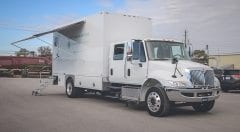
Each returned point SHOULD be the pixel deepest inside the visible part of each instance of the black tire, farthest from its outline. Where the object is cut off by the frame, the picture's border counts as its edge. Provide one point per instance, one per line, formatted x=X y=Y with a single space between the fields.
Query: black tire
x=157 y=102
x=204 y=106
x=225 y=90
x=71 y=91
x=103 y=93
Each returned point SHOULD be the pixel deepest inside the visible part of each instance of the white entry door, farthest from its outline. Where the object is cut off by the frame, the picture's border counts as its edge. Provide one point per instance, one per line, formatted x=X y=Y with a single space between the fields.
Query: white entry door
x=117 y=63
x=136 y=65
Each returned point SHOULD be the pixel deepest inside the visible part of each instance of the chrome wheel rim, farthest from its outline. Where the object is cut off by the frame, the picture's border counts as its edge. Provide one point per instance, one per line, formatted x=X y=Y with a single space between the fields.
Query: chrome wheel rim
x=154 y=101
x=69 y=88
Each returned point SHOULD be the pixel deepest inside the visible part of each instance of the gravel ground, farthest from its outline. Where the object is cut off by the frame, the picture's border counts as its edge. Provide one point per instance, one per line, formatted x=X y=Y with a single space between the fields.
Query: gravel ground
x=22 y=112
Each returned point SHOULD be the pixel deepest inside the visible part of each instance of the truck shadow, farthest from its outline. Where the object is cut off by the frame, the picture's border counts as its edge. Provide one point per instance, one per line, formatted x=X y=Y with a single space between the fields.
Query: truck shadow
x=174 y=111
x=115 y=102
x=186 y=111
x=234 y=91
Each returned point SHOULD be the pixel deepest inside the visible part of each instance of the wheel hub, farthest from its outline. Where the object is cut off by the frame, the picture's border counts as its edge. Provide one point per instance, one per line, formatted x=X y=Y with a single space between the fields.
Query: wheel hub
x=69 y=88
x=154 y=101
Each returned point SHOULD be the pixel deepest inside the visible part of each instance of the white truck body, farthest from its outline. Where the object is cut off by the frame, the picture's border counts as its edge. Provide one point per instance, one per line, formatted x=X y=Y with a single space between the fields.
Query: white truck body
x=86 y=57
x=112 y=53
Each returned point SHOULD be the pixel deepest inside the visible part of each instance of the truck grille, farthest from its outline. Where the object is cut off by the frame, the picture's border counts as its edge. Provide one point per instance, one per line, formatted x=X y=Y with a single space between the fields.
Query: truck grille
x=201 y=77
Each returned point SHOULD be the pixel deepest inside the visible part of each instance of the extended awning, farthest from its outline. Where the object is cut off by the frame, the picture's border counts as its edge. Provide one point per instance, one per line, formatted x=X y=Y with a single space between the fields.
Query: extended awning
x=63 y=29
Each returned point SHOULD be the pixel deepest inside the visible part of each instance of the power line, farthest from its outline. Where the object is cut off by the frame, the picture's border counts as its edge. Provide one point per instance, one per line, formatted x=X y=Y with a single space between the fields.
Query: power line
x=18 y=28
x=46 y=42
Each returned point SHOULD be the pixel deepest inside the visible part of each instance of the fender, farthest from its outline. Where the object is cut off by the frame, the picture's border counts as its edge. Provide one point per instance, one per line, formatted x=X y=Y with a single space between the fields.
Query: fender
x=150 y=82
x=68 y=76
x=157 y=79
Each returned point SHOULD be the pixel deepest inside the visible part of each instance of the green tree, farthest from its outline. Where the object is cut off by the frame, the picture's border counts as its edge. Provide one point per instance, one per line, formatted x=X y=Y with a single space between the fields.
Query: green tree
x=22 y=52
x=200 y=56
x=32 y=53
x=44 y=51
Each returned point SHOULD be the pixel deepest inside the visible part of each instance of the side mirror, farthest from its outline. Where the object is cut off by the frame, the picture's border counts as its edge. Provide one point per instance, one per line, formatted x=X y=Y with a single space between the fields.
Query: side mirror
x=190 y=52
x=129 y=57
x=129 y=51
x=174 y=60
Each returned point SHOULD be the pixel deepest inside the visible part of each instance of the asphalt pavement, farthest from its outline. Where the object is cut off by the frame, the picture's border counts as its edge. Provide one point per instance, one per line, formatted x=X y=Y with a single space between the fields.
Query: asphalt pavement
x=54 y=112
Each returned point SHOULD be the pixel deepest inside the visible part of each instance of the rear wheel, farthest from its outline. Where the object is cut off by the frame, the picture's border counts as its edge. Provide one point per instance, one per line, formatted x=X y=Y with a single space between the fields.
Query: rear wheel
x=204 y=106
x=71 y=91
x=157 y=102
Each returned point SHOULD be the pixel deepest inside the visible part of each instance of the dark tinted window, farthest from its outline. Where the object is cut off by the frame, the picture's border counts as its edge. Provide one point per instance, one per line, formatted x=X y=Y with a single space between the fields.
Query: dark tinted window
x=231 y=72
x=135 y=53
x=142 y=53
x=118 y=52
x=218 y=71
x=138 y=51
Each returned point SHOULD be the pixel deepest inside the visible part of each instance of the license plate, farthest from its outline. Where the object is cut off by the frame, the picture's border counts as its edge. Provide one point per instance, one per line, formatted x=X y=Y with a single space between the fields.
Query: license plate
x=227 y=78
x=204 y=99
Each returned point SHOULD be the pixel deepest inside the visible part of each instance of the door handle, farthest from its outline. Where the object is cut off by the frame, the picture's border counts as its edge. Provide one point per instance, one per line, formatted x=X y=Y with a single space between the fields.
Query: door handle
x=128 y=72
x=111 y=71
x=140 y=64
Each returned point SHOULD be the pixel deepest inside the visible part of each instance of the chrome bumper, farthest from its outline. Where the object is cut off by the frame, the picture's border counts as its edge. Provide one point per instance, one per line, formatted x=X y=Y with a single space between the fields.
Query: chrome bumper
x=192 y=95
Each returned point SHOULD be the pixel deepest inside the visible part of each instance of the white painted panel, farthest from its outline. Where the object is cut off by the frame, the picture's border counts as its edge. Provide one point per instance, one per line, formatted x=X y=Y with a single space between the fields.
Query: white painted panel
x=86 y=53
x=88 y=82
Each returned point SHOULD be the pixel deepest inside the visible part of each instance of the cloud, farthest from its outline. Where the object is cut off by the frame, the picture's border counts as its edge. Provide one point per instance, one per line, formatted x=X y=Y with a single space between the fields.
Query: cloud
x=106 y=3
x=214 y=23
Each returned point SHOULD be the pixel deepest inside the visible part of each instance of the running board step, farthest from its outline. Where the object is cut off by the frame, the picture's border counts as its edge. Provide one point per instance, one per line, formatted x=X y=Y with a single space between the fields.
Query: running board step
x=114 y=87
x=130 y=93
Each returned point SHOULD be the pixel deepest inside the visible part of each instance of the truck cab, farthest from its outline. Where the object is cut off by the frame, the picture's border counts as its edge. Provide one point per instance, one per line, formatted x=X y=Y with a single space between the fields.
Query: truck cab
x=160 y=73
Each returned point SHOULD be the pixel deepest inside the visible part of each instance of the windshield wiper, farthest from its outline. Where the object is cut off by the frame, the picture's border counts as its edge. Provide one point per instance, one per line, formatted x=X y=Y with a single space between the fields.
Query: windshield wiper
x=175 y=61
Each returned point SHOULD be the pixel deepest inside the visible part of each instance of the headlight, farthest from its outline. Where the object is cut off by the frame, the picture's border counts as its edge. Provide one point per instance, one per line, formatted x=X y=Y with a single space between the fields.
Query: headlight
x=177 y=84
x=217 y=83
x=187 y=74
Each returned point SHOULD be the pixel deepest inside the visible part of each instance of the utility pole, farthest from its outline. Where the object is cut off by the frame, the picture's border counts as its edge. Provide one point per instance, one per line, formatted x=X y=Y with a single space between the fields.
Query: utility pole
x=207 y=52
x=185 y=38
x=187 y=44
x=207 y=49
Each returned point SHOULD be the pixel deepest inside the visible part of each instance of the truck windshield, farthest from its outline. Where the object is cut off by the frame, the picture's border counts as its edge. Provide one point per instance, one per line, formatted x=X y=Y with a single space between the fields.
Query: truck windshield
x=165 y=50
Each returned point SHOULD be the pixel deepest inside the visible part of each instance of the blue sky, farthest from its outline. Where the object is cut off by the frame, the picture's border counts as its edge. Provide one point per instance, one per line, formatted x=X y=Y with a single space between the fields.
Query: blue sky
x=214 y=23
x=19 y=19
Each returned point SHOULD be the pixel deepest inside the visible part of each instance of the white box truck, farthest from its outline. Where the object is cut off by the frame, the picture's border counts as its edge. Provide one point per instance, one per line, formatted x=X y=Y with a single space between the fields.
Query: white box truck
x=112 y=54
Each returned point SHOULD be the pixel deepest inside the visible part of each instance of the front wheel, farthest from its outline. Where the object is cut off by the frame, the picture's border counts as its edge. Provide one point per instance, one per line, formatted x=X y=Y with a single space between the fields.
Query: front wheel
x=225 y=90
x=157 y=102
x=204 y=106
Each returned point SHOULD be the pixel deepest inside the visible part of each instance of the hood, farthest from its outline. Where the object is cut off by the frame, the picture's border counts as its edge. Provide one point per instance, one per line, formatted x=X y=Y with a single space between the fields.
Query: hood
x=165 y=68
x=182 y=65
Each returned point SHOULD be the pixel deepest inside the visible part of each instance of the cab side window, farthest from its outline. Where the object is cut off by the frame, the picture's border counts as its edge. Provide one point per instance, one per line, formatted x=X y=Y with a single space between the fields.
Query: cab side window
x=138 y=51
x=118 y=52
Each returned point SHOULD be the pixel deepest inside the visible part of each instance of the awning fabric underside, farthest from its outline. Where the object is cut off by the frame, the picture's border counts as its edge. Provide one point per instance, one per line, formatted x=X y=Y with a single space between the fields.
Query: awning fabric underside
x=68 y=30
